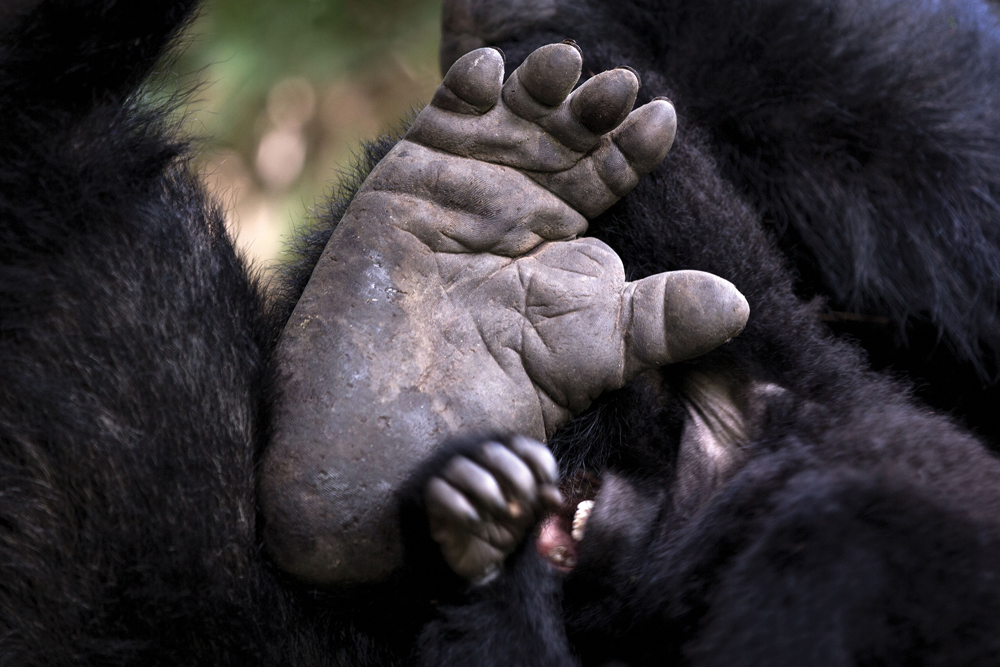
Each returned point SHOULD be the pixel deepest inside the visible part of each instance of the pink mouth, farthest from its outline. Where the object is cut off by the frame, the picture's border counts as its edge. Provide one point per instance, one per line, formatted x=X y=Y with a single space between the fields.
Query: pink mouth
x=555 y=541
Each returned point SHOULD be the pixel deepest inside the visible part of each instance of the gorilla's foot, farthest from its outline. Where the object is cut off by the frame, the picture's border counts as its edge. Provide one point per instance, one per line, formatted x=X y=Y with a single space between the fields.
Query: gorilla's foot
x=455 y=297
x=482 y=505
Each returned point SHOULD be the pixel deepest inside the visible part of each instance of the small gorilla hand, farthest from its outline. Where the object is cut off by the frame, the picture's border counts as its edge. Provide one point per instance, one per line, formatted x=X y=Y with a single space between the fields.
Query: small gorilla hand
x=455 y=297
x=481 y=506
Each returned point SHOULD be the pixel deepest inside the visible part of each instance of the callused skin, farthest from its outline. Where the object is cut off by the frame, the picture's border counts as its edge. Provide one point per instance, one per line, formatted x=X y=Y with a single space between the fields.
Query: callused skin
x=455 y=297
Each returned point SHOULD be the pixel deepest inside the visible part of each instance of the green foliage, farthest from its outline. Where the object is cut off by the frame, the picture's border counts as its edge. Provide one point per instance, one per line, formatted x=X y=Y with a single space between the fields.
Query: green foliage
x=362 y=63
x=245 y=46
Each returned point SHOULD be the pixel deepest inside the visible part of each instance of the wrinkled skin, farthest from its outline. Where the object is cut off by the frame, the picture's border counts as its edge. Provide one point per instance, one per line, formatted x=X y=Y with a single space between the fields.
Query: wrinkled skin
x=455 y=297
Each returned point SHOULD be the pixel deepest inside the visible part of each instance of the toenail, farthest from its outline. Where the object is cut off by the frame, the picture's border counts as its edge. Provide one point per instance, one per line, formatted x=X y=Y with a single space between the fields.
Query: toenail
x=572 y=42
x=637 y=77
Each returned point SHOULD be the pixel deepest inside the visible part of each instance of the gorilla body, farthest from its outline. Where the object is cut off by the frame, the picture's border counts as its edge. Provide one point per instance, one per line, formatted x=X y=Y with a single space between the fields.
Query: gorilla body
x=836 y=123
x=826 y=518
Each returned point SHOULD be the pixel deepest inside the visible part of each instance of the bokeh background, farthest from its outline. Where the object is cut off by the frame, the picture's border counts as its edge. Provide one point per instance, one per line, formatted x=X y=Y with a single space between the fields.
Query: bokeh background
x=286 y=92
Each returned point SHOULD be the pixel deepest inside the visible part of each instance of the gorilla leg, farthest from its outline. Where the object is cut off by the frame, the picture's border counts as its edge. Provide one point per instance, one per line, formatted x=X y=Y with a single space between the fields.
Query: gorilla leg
x=133 y=346
x=891 y=576
x=792 y=565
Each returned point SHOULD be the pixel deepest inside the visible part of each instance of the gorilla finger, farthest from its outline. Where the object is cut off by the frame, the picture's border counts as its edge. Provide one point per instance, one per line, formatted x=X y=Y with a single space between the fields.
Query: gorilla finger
x=446 y=502
x=677 y=316
x=512 y=473
x=551 y=497
x=479 y=562
x=647 y=135
x=603 y=102
x=472 y=85
x=543 y=80
x=538 y=457
x=498 y=535
x=477 y=483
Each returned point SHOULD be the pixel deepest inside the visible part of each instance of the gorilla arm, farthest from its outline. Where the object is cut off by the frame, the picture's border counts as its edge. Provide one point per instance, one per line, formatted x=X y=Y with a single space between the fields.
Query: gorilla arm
x=456 y=298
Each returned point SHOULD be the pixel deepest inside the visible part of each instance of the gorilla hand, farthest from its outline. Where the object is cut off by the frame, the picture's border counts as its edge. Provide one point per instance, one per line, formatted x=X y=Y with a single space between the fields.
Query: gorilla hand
x=454 y=297
x=482 y=503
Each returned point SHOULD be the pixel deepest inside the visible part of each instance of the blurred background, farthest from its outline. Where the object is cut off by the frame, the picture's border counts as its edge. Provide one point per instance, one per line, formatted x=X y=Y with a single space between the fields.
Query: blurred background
x=288 y=89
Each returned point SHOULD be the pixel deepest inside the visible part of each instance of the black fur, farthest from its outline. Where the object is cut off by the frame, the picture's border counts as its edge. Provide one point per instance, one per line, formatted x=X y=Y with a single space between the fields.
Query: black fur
x=830 y=157
x=865 y=136
x=134 y=387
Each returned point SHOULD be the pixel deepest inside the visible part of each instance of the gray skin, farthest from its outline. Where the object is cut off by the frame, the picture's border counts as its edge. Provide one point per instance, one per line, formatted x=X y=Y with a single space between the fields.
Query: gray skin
x=455 y=297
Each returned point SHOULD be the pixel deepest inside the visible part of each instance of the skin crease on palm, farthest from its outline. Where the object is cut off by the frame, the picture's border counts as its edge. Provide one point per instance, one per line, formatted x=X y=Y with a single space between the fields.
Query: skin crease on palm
x=456 y=297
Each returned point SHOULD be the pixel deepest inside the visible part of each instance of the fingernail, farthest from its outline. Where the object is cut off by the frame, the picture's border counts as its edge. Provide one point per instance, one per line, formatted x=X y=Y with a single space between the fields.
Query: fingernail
x=502 y=54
